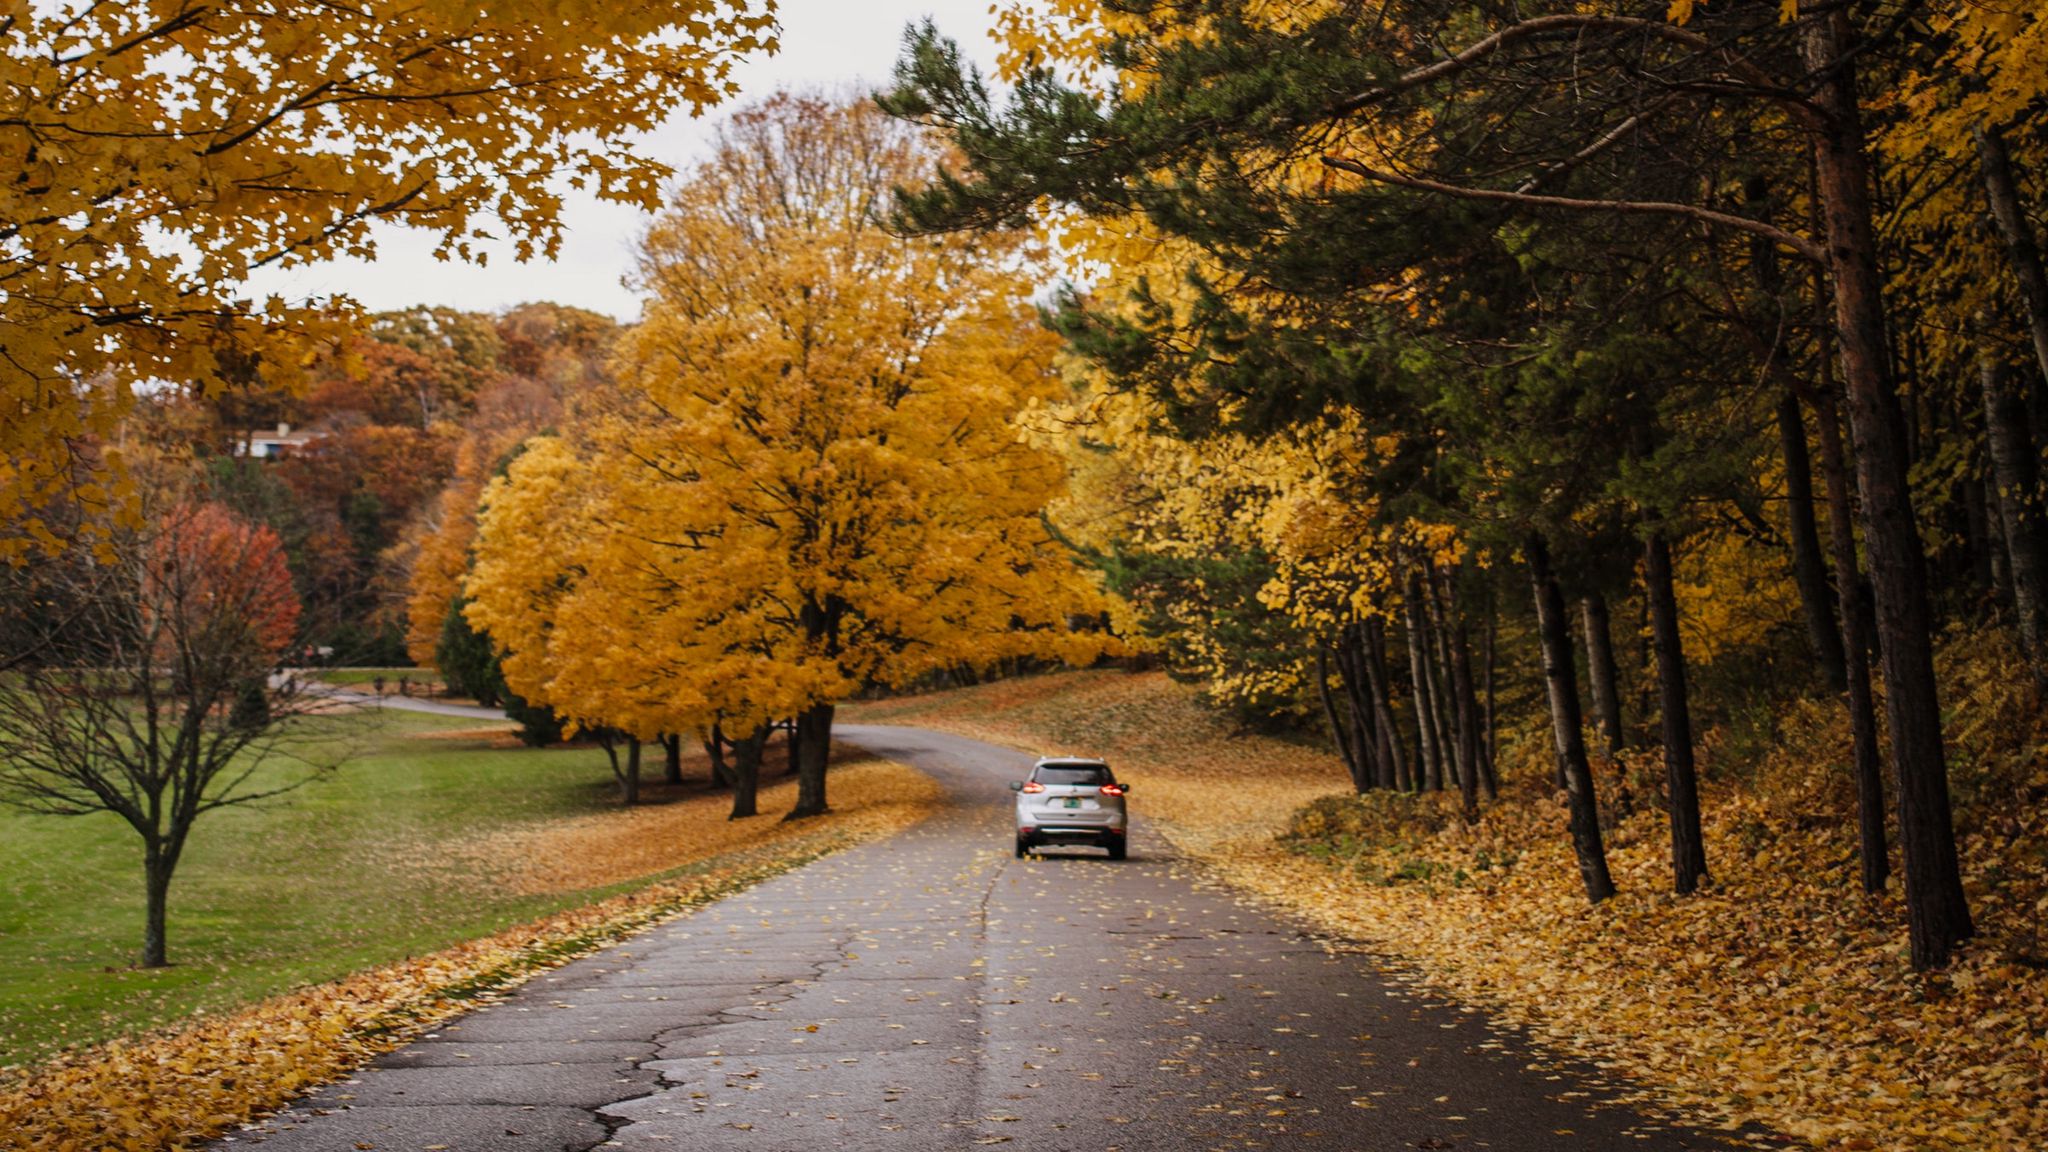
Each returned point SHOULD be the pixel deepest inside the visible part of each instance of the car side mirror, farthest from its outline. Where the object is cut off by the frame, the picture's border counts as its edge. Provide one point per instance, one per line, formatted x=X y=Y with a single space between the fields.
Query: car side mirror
x=1126 y=787
x=1016 y=785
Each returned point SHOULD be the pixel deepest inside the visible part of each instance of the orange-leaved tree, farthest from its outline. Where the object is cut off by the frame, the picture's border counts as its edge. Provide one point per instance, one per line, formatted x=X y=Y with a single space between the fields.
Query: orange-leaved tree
x=814 y=462
x=160 y=151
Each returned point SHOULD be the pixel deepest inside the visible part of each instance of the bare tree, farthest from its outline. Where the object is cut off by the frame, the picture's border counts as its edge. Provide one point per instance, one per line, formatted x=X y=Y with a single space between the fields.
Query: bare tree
x=144 y=681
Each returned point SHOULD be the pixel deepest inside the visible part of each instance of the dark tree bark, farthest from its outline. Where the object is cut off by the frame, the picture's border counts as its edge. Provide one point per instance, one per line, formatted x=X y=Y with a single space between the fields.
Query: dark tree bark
x=1561 y=680
x=631 y=782
x=1938 y=914
x=1809 y=568
x=1431 y=754
x=714 y=747
x=1600 y=672
x=1366 y=737
x=672 y=759
x=2020 y=248
x=159 y=862
x=1688 y=848
x=2015 y=473
x=1876 y=861
x=1492 y=747
x=1340 y=727
x=746 y=772
x=1450 y=702
x=795 y=747
x=1468 y=719
x=814 y=740
x=1395 y=765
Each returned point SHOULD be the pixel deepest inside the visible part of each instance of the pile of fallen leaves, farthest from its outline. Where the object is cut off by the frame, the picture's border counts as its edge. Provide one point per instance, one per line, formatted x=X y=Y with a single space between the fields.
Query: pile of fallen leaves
x=178 y=1087
x=1778 y=998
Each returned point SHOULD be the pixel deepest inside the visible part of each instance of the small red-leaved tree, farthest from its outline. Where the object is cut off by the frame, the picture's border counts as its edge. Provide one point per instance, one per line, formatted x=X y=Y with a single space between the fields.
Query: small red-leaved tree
x=145 y=682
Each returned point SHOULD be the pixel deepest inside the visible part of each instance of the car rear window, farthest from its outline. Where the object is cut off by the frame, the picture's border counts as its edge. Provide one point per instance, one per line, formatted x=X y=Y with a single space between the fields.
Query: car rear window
x=1072 y=774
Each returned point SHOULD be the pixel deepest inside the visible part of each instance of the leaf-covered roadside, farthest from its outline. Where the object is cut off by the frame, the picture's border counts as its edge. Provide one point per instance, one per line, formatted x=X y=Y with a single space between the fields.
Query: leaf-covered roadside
x=1770 y=999
x=176 y=1088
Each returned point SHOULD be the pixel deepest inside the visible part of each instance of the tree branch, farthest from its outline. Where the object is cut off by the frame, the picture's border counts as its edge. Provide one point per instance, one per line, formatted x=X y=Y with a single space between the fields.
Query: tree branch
x=1806 y=248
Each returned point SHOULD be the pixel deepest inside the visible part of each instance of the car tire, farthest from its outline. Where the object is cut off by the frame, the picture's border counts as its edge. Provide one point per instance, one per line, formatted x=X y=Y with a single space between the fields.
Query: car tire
x=1023 y=846
x=1117 y=849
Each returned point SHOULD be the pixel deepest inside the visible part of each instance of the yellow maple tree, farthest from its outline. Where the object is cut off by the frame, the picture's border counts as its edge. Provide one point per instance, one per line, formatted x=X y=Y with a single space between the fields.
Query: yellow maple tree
x=811 y=480
x=160 y=151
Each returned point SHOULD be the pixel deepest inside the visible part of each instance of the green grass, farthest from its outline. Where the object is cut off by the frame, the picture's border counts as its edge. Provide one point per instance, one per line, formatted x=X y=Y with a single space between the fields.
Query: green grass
x=332 y=878
x=348 y=677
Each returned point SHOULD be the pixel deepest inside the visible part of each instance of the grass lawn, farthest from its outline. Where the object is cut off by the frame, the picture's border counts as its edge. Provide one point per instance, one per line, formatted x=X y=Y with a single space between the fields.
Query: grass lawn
x=350 y=677
x=351 y=871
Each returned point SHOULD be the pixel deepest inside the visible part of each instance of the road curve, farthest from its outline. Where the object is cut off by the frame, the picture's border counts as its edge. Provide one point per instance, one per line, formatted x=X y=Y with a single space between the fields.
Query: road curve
x=931 y=992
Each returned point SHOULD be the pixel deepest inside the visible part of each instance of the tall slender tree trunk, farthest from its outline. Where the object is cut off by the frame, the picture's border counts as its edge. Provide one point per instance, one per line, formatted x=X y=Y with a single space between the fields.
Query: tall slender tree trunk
x=2016 y=475
x=814 y=738
x=1365 y=729
x=1562 y=683
x=1875 y=856
x=1600 y=672
x=1395 y=768
x=631 y=782
x=1340 y=728
x=2021 y=250
x=1468 y=720
x=1688 y=848
x=1938 y=914
x=1431 y=753
x=746 y=772
x=1809 y=568
x=672 y=759
x=1450 y=703
x=1492 y=746
x=795 y=747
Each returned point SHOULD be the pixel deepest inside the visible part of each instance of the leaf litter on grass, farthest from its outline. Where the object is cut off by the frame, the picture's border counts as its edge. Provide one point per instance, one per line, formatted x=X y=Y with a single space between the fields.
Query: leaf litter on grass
x=178 y=1087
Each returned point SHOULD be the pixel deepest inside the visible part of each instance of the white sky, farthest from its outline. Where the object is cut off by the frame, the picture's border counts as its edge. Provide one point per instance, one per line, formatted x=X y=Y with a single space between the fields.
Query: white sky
x=824 y=43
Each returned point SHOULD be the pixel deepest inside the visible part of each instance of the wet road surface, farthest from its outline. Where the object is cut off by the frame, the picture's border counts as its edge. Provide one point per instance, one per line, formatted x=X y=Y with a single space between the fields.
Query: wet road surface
x=931 y=992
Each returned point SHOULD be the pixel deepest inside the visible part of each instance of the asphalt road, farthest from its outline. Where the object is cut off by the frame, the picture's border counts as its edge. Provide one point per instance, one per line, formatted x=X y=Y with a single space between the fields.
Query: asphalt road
x=931 y=992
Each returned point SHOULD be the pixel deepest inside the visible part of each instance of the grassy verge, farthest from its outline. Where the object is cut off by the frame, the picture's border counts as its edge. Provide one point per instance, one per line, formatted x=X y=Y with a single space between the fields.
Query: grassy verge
x=1780 y=997
x=370 y=902
x=350 y=677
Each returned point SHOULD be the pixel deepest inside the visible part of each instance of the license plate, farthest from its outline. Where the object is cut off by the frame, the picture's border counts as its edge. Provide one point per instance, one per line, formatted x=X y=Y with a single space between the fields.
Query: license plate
x=1071 y=802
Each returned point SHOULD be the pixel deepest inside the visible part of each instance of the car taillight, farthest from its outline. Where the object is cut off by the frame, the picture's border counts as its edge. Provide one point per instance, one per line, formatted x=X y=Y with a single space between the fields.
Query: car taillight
x=1112 y=789
x=1032 y=786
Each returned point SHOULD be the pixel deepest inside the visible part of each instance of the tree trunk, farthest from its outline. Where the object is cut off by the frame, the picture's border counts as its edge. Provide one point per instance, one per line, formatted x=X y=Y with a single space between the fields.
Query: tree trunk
x=1339 y=727
x=1430 y=755
x=2020 y=249
x=1468 y=719
x=746 y=772
x=157 y=866
x=1809 y=568
x=1600 y=672
x=1876 y=860
x=814 y=747
x=1450 y=703
x=2015 y=473
x=672 y=759
x=1938 y=914
x=1492 y=747
x=1688 y=849
x=1562 y=682
x=1366 y=740
x=631 y=782
x=714 y=747
x=1394 y=765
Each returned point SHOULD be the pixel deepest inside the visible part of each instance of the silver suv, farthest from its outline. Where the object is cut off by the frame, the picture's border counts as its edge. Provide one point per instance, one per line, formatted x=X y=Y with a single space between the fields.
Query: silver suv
x=1070 y=801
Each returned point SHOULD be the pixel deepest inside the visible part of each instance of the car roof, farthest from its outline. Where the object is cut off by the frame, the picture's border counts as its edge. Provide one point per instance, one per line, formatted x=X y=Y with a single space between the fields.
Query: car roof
x=1070 y=762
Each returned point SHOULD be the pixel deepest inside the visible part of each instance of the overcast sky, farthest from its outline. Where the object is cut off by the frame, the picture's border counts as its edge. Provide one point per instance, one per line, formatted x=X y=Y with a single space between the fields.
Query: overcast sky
x=824 y=43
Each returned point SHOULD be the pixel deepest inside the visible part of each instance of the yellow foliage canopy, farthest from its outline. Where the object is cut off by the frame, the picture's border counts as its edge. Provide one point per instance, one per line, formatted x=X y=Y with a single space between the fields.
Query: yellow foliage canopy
x=159 y=151
x=810 y=478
